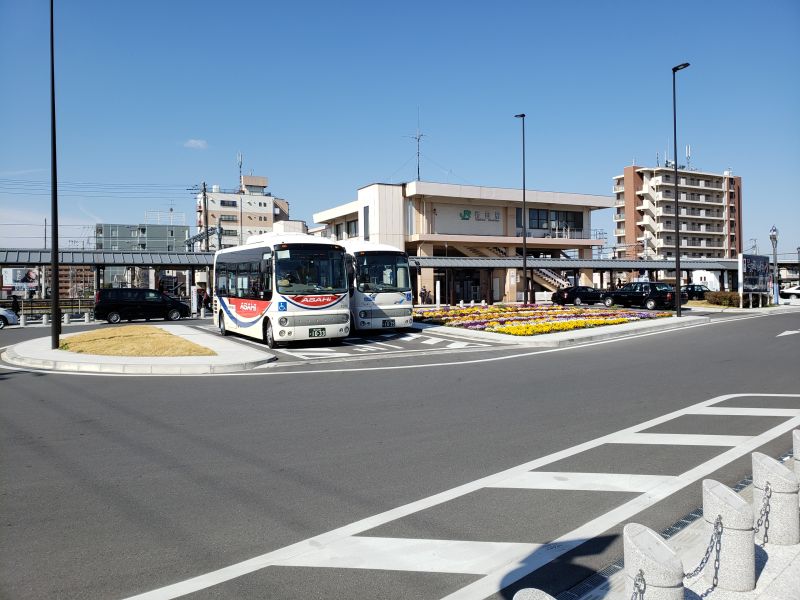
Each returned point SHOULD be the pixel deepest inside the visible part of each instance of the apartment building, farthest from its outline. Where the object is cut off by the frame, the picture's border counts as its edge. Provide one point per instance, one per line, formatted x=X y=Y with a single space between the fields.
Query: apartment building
x=710 y=207
x=240 y=213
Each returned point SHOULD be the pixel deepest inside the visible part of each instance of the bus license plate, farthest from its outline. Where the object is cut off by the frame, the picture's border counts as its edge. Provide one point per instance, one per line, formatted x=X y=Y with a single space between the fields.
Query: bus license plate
x=388 y=322
x=316 y=332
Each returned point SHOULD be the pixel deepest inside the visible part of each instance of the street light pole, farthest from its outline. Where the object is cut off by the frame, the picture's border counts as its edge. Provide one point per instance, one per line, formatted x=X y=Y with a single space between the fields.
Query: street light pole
x=677 y=212
x=55 y=309
x=773 y=237
x=524 y=220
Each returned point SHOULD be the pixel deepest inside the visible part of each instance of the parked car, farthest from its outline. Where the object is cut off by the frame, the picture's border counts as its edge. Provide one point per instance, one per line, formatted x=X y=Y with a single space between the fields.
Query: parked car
x=790 y=293
x=696 y=291
x=7 y=317
x=577 y=295
x=115 y=304
x=649 y=294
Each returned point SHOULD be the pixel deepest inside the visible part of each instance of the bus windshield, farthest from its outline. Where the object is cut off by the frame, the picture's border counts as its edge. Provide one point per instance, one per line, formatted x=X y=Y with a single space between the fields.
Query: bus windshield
x=309 y=269
x=382 y=272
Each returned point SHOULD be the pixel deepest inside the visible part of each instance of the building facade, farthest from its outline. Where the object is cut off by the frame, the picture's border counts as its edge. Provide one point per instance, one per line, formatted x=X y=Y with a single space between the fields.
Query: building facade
x=644 y=213
x=435 y=219
x=240 y=213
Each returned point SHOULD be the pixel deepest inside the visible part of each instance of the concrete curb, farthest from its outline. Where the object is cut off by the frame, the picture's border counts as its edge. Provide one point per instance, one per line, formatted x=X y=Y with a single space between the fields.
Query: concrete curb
x=562 y=339
x=230 y=358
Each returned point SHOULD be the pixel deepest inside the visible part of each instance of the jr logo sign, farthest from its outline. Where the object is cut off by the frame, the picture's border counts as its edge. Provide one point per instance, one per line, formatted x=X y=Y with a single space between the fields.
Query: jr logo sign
x=465 y=215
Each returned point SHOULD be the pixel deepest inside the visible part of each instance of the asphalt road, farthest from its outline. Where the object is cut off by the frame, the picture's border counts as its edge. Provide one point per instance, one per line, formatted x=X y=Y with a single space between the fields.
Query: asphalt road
x=117 y=486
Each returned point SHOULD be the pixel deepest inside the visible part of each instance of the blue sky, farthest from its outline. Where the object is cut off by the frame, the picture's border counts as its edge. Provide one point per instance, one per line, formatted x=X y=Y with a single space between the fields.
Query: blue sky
x=322 y=97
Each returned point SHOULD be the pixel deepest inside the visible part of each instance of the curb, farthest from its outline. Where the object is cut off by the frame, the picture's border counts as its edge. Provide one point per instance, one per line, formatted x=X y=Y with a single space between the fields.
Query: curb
x=564 y=339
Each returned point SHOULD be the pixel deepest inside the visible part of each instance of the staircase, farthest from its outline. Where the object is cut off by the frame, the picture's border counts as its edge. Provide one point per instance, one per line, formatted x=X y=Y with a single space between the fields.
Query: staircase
x=548 y=279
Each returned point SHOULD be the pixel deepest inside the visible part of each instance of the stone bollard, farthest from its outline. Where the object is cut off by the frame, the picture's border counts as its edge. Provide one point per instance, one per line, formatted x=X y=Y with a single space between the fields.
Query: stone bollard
x=776 y=511
x=652 y=570
x=532 y=594
x=86 y=317
x=203 y=312
x=66 y=318
x=796 y=452
x=734 y=548
x=45 y=319
x=23 y=320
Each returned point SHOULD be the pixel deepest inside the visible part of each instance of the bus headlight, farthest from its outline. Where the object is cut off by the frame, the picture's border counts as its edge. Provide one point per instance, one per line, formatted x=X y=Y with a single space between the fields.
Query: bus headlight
x=283 y=321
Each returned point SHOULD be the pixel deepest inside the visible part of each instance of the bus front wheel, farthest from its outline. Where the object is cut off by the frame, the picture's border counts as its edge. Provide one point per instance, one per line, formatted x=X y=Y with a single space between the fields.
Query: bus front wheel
x=222 y=331
x=269 y=336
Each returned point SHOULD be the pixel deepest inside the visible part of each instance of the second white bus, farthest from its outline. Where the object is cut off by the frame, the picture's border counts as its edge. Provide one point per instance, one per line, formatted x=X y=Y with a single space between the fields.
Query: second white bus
x=380 y=284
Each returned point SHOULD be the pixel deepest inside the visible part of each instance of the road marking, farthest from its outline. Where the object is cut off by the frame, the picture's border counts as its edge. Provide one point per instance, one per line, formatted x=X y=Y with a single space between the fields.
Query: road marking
x=432 y=340
x=789 y=332
x=606 y=482
x=735 y=411
x=680 y=439
x=404 y=554
x=525 y=562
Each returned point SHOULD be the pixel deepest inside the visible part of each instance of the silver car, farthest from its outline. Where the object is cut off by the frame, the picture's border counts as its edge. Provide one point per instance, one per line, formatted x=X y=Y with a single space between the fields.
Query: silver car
x=7 y=317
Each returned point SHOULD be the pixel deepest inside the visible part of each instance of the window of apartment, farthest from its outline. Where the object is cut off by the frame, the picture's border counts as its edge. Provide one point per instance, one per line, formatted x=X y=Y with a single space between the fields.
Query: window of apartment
x=337 y=231
x=228 y=218
x=232 y=203
x=352 y=228
x=143 y=230
x=230 y=232
x=366 y=223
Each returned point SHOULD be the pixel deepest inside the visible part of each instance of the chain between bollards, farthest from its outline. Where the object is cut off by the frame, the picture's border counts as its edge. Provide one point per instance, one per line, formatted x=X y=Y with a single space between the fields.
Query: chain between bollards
x=763 y=517
x=714 y=542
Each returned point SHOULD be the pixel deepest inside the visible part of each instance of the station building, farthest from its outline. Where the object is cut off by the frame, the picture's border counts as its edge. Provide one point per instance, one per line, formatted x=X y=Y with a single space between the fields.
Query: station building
x=429 y=219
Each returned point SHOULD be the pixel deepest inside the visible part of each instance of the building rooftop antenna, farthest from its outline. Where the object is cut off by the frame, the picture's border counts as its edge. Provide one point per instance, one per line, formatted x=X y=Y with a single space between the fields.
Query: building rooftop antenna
x=418 y=137
x=688 y=157
x=239 y=162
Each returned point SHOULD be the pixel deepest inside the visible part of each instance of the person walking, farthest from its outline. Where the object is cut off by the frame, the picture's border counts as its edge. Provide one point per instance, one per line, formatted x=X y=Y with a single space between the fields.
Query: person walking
x=15 y=305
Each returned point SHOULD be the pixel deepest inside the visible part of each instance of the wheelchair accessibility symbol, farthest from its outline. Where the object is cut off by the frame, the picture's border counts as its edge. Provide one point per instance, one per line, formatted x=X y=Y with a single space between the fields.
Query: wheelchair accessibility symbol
x=282 y=306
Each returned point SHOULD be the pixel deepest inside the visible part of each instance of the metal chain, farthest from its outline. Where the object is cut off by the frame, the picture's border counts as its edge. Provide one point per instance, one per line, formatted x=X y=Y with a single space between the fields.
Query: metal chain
x=715 y=541
x=639 y=586
x=763 y=517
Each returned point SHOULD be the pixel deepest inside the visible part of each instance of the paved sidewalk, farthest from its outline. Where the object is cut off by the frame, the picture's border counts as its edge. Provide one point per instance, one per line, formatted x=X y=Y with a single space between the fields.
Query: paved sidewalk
x=231 y=357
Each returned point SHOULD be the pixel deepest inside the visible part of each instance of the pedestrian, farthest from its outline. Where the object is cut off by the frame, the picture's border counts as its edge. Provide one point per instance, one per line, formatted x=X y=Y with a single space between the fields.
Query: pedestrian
x=15 y=305
x=206 y=299
x=619 y=283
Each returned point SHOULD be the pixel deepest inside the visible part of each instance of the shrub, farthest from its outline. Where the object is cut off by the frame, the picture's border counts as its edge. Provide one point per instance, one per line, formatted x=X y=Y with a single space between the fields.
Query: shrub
x=723 y=298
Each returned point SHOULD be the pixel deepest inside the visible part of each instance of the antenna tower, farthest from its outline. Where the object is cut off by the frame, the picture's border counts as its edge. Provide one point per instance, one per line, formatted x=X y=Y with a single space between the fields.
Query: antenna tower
x=688 y=157
x=239 y=162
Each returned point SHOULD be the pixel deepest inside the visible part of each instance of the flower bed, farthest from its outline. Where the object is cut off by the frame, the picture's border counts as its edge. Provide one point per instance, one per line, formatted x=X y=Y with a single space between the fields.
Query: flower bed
x=530 y=319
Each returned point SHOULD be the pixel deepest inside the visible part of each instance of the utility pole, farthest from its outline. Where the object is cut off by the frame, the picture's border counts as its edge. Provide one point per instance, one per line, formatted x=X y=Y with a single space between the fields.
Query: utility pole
x=55 y=309
x=205 y=214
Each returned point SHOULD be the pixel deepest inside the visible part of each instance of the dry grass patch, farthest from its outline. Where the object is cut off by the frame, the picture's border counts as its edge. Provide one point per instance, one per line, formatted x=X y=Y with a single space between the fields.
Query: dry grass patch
x=133 y=340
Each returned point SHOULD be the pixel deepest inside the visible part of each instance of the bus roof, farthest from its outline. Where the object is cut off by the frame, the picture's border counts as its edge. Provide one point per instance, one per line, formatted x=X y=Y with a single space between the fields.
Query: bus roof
x=271 y=239
x=356 y=245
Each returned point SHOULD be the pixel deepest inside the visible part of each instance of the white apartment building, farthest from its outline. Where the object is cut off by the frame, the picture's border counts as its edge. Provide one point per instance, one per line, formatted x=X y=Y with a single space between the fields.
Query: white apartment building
x=250 y=210
x=644 y=213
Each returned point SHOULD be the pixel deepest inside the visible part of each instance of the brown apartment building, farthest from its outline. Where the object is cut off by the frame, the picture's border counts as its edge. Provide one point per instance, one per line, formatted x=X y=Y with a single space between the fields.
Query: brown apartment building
x=710 y=217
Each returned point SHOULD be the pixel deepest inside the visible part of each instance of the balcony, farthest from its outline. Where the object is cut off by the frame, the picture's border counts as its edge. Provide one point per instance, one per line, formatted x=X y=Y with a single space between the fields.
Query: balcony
x=619 y=203
x=618 y=188
x=619 y=217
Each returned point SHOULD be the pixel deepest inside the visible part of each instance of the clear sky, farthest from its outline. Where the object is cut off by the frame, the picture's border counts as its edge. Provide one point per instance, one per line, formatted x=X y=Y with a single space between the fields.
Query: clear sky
x=154 y=97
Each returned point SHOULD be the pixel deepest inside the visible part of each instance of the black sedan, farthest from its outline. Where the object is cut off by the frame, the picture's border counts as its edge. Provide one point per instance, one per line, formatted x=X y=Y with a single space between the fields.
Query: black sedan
x=577 y=295
x=648 y=294
x=696 y=291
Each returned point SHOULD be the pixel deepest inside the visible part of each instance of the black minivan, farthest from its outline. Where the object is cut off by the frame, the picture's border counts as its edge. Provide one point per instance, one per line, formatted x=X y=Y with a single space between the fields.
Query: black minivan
x=115 y=304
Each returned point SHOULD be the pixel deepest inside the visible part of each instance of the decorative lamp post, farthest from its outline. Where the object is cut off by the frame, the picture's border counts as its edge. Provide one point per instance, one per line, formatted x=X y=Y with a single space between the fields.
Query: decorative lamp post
x=677 y=212
x=524 y=220
x=773 y=237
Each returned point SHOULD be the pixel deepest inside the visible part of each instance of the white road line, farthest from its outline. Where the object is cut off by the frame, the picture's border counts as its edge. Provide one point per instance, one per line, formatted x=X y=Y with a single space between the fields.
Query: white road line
x=607 y=482
x=527 y=563
x=432 y=340
x=747 y=412
x=680 y=439
x=524 y=563
x=403 y=554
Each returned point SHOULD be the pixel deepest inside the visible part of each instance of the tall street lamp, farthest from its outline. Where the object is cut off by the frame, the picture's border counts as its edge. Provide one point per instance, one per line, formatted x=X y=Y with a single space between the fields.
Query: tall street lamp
x=524 y=219
x=677 y=213
x=55 y=308
x=773 y=237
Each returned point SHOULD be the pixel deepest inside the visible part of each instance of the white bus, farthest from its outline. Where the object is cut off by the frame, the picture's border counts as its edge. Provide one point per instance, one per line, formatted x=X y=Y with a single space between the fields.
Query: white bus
x=282 y=287
x=380 y=283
